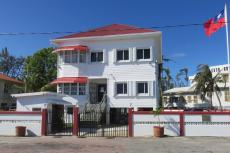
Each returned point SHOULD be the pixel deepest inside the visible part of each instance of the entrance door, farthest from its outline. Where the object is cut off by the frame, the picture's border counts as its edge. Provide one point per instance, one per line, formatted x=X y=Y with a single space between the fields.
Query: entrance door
x=57 y=118
x=101 y=90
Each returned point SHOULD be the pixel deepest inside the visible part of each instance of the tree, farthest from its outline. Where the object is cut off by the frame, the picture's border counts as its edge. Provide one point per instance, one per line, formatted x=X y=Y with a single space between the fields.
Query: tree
x=10 y=65
x=182 y=72
x=166 y=79
x=40 y=69
x=205 y=83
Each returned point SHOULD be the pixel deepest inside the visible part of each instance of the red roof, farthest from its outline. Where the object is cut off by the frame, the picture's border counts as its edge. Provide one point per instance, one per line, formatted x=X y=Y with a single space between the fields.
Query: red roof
x=80 y=48
x=6 y=78
x=70 y=80
x=113 y=29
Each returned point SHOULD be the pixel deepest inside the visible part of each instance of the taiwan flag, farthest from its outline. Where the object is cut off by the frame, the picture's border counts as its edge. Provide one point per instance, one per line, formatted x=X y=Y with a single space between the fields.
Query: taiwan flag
x=213 y=24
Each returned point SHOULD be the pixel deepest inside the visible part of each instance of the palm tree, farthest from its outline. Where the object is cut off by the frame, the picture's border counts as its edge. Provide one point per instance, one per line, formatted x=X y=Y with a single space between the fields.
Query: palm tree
x=166 y=80
x=205 y=83
x=182 y=72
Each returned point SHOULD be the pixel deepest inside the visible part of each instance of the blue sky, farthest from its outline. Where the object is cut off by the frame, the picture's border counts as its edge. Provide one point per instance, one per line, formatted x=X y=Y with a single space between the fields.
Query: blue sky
x=187 y=46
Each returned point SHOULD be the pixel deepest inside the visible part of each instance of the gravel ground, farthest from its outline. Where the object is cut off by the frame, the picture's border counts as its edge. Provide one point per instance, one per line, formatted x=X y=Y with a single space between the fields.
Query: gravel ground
x=69 y=144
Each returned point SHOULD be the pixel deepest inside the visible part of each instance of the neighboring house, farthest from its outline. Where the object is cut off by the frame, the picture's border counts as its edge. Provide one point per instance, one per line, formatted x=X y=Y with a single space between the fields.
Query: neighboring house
x=185 y=96
x=117 y=63
x=8 y=86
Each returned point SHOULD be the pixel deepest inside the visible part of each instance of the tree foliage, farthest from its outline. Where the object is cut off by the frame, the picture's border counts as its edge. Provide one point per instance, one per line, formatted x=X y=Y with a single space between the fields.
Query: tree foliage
x=184 y=80
x=40 y=69
x=10 y=65
x=205 y=83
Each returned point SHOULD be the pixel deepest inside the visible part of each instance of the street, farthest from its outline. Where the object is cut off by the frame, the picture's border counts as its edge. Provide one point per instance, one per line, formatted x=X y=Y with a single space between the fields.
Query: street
x=69 y=144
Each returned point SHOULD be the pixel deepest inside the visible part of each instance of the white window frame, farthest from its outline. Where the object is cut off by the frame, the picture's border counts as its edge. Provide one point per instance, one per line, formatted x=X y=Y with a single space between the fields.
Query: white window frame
x=80 y=85
x=123 y=49
x=63 y=61
x=142 y=94
x=61 y=89
x=143 y=48
x=121 y=94
x=97 y=51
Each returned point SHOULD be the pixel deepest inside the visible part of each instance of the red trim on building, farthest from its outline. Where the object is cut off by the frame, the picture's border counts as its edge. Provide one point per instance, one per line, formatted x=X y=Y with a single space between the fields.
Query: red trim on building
x=75 y=120
x=70 y=80
x=130 y=122
x=6 y=78
x=79 y=48
x=181 y=124
x=113 y=29
x=44 y=122
x=20 y=113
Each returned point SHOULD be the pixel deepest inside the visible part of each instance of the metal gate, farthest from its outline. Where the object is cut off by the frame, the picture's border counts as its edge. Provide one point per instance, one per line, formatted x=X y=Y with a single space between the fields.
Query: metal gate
x=60 y=121
x=93 y=124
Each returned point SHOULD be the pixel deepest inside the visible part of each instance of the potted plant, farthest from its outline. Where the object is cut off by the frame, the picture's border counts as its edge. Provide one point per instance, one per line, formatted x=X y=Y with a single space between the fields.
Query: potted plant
x=158 y=130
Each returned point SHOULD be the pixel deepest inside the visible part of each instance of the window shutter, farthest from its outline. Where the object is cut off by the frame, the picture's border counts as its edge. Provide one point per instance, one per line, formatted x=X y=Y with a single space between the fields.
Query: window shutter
x=152 y=55
x=134 y=87
x=130 y=54
x=114 y=55
x=88 y=57
x=150 y=86
x=134 y=51
x=114 y=89
x=105 y=56
x=129 y=87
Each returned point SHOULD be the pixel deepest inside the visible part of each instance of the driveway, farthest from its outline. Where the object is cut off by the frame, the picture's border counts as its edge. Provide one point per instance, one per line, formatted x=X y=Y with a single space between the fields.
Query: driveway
x=69 y=144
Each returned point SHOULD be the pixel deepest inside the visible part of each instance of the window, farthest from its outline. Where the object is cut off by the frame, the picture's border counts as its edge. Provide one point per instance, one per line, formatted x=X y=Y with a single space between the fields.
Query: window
x=36 y=109
x=122 y=55
x=142 y=88
x=96 y=56
x=195 y=100
x=74 y=57
x=81 y=89
x=143 y=54
x=189 y=99
x=74 y=89
x=6 y=88
x=82 y=58
x=226 y=95
x=67 y=57
x=60 y=88
x=121 y=88
x=66 y=88
x=61 y=57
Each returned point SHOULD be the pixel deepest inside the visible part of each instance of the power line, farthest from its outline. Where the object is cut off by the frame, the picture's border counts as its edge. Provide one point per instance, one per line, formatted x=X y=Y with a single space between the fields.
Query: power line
x=71 y=32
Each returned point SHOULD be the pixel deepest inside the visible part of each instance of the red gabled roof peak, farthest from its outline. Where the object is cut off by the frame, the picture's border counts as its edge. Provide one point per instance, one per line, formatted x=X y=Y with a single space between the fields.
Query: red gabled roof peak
x=113 y=29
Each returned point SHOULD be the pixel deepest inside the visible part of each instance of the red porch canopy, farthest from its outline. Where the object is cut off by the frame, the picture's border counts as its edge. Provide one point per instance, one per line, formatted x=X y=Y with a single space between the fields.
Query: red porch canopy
x=70 y=80
x=80 y=48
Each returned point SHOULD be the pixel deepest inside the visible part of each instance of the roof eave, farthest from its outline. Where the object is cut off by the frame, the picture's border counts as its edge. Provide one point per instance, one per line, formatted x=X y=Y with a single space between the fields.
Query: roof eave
x=106 y=36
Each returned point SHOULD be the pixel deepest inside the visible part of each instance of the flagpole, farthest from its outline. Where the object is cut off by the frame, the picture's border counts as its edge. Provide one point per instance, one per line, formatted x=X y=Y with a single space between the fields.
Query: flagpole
x=227 y=43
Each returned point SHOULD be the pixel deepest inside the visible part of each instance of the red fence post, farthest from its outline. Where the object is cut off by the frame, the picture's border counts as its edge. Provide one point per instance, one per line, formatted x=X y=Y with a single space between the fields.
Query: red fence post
x=182 y=124
x=130 y=122
x=75 y=120
x=44 y=122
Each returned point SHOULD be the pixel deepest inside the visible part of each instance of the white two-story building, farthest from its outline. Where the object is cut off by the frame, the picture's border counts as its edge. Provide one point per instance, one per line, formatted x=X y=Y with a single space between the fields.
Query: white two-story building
x=117 y=62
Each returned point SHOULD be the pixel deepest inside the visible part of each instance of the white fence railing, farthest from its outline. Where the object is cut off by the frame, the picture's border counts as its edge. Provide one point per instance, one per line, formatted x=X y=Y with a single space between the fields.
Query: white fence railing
x=31 y=120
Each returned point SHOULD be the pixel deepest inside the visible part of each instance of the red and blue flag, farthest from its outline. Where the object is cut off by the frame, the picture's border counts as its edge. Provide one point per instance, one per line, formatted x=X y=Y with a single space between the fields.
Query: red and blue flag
x=213 y=24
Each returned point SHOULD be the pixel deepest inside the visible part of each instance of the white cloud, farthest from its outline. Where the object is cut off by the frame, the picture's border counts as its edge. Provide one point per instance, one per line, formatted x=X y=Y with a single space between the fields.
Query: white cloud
x=178 y=55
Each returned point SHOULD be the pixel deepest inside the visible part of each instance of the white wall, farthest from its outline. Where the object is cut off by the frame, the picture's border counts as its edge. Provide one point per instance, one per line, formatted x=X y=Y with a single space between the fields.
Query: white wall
x=143 y=124
x=194 y=124
x=128 y=71
x=41 y=101
x=8 y=122
x=219 y=126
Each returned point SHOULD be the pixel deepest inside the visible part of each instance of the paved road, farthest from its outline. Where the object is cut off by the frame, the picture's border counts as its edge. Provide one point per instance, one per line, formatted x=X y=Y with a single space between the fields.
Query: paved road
x=69 y=144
